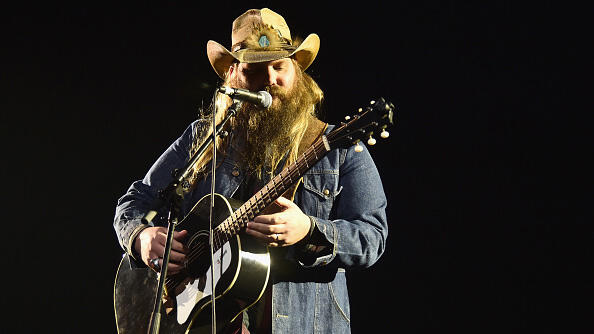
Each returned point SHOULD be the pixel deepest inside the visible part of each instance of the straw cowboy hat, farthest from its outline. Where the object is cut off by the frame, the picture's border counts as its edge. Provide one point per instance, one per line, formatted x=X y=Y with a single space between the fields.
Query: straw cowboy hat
x=261 y=35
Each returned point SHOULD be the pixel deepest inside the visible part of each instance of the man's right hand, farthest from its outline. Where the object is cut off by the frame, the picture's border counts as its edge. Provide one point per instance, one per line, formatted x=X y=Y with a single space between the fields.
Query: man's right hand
x=150 y=244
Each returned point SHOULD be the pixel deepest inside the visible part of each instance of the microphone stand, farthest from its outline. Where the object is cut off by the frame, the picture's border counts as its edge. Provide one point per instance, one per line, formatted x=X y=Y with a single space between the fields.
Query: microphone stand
x=173 y=196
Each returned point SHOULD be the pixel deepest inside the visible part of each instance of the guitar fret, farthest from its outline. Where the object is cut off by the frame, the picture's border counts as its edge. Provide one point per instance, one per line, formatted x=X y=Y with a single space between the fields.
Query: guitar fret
x=249 y=210
x=256 y=203
x=236 y=226
x=283 y=181
x=229 y=229
x=305 y=160
x=245 y=207
x=241 y=211
x=280 y=181
x=289 y=176
x=263 y=198
x=233 y=217
x=254 y=207
x=294 y=173
x=274 y=186
x=259 y=200
x=243 y=218
x=267 y=192
x=315 y=154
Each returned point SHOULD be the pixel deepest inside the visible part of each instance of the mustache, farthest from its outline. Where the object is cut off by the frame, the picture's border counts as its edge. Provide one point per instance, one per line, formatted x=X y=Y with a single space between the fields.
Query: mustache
x=277 y=91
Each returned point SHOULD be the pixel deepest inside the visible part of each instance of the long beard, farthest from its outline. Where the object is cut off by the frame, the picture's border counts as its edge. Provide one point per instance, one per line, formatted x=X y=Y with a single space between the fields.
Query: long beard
x=271 y=133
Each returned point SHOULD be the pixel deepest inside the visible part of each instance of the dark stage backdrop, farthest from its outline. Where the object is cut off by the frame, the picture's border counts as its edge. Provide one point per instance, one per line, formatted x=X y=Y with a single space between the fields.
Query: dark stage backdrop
x=480 y=201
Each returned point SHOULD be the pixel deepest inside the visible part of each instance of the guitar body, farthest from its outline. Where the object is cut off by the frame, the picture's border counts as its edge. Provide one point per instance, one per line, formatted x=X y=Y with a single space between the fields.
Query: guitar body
x=241 y=271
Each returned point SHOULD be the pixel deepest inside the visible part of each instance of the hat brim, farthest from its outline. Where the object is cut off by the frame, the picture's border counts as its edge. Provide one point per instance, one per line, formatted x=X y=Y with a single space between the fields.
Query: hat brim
x=221 y=59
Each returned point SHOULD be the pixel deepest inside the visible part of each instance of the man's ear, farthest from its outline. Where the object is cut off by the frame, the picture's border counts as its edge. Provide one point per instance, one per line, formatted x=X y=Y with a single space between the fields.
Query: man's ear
x=231 y=69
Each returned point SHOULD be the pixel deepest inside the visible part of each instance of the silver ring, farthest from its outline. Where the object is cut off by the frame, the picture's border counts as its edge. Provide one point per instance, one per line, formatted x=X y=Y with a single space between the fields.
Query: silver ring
x=155 y=263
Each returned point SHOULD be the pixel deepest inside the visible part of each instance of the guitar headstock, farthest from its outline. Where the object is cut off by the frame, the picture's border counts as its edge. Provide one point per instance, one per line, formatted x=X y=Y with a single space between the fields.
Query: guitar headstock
x=363 y=125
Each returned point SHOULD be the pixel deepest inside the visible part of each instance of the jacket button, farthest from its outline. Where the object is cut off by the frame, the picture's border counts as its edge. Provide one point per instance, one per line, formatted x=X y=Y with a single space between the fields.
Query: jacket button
x=326 y=192
x=235 y=172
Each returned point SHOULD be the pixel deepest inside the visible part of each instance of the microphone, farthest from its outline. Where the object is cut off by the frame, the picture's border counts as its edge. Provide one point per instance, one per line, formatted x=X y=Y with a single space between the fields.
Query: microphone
x=261 y=98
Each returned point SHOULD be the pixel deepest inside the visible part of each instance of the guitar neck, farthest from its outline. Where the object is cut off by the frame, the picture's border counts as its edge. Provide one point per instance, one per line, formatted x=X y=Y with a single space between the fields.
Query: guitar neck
x=270 y=192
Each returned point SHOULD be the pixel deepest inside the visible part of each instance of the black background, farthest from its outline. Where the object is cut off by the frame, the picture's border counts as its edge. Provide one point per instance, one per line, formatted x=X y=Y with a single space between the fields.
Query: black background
x=488 y=227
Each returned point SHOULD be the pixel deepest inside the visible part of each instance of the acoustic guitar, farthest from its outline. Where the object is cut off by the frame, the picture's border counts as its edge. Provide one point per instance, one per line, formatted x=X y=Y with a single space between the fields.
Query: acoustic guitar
x=242 y=264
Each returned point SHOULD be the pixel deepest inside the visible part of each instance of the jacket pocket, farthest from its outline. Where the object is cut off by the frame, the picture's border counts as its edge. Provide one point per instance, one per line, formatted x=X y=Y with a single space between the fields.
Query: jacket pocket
x=321 y=189
x=339 y=296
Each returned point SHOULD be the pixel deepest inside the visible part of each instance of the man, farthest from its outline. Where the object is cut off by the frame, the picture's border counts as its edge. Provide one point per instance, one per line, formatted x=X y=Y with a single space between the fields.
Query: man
x=332 y=221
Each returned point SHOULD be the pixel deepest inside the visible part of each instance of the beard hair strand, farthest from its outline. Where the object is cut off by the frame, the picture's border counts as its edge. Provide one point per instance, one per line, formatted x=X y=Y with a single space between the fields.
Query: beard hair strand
x=273 y=133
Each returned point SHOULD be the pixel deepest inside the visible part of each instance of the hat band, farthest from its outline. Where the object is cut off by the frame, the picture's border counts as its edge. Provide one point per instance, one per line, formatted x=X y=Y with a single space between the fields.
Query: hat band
x=264 y=44
x=288 y=48
x=253 y=56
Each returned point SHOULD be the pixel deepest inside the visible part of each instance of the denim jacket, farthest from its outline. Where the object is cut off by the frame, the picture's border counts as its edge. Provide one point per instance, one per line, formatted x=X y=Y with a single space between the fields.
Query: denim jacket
x=342 y=193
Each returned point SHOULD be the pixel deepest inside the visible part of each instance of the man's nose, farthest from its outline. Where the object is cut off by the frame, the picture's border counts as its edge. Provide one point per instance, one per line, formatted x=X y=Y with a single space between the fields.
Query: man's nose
x=271 y=76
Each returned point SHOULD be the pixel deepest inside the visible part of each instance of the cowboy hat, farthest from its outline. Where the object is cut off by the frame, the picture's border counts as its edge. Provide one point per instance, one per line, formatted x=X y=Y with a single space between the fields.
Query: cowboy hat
x=261 y=35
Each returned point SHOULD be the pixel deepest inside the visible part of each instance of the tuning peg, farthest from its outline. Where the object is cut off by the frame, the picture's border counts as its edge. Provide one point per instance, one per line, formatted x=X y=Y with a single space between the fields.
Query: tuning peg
x=360 y=110
x=371 y=141
x=358 y=148
x=346 y=118
x=385 y=134
x=372 y=102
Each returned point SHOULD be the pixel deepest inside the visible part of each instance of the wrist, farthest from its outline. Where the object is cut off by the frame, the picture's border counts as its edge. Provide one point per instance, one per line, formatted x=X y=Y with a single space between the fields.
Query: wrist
x=307 y=238
x=134 y=241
